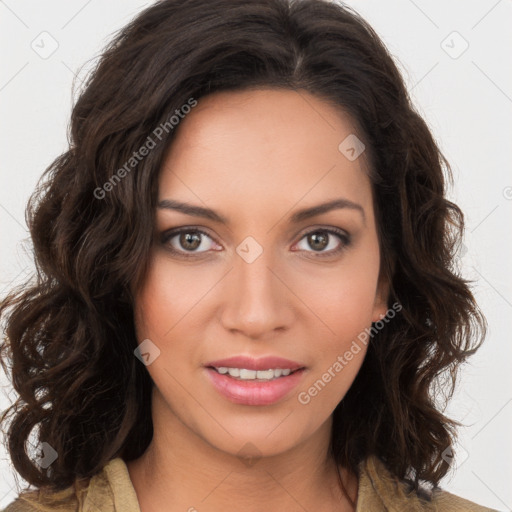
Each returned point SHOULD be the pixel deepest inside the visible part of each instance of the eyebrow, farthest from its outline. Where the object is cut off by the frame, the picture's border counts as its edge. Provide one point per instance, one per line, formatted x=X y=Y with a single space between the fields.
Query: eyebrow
x=298 y=216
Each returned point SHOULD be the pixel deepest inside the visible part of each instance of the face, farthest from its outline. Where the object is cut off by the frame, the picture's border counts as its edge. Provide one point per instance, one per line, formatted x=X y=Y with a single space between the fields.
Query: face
x=248 y=270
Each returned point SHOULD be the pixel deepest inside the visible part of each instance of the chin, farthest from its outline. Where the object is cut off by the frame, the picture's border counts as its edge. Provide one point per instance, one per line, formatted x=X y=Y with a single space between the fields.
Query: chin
x=264 y=436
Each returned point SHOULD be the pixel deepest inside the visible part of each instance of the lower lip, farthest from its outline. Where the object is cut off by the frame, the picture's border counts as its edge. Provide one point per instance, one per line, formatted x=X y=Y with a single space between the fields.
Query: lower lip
x=254 y=392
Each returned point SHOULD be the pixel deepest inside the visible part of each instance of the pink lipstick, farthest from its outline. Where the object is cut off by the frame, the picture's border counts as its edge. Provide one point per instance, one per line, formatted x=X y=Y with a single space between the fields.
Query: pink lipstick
x=249 y=381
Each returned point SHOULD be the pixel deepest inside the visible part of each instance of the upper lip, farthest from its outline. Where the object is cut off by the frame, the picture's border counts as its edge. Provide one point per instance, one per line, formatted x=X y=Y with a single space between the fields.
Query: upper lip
x=251 y=363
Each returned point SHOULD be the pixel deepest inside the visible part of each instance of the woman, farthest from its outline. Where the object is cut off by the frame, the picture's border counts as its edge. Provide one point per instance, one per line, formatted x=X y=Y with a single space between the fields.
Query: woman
x=246 y=284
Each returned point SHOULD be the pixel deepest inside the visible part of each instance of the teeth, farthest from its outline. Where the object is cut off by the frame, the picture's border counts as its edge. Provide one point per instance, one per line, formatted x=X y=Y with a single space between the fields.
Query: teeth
x=234 y=372
x=264 y=374
x=244 y=374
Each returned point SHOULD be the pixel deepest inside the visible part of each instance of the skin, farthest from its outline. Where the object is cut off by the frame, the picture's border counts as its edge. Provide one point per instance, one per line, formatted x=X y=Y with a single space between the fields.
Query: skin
x=255 y=157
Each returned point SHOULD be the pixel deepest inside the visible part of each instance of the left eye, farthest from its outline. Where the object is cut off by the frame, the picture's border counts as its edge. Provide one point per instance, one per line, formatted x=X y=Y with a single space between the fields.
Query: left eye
x=324 y=241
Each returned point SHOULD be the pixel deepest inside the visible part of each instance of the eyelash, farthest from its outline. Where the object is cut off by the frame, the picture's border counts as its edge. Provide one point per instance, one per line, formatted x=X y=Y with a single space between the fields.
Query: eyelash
x=166 y=236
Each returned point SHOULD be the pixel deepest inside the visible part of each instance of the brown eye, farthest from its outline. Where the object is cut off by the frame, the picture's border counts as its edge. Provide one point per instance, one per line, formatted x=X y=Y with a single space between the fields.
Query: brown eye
x=187 y=241
x=318 y=241
x=190 y=241
x=326 y=242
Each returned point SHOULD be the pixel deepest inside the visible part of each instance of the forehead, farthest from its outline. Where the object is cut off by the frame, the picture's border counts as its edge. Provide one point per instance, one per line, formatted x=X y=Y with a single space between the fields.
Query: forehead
x=263 y=147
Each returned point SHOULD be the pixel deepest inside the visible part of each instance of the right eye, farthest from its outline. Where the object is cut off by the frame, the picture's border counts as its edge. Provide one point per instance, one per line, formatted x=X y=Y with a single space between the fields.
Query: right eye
x=187 y=241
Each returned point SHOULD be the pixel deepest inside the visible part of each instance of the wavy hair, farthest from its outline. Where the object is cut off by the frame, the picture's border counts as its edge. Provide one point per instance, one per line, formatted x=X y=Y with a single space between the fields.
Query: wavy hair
x=69 y=331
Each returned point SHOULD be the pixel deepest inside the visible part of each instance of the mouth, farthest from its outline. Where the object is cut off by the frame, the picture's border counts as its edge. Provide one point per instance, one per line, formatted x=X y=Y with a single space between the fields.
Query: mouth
x=257 y=382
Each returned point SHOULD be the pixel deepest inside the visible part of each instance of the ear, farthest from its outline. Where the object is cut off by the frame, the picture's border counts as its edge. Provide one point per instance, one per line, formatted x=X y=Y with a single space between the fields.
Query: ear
x=380 y=305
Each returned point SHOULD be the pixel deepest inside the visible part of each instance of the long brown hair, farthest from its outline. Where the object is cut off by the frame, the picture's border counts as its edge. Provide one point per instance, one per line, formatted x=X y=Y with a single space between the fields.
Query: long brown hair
x=70 y=331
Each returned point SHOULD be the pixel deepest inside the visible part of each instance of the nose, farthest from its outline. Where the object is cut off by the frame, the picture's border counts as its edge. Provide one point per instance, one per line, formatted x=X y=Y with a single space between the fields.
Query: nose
x=257 y=301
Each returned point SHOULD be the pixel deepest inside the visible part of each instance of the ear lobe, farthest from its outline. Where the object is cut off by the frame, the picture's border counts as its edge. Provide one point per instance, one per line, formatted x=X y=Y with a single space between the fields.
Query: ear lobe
x=380 y=306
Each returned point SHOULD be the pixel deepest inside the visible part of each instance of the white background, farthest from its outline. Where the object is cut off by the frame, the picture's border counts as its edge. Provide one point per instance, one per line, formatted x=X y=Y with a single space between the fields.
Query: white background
x=467 y=102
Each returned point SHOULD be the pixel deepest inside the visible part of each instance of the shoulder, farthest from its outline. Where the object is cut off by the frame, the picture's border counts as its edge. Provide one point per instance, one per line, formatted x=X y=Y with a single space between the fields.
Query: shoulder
x=42 y=501
x=110 y=490
x=19 y=506
x=379 y=490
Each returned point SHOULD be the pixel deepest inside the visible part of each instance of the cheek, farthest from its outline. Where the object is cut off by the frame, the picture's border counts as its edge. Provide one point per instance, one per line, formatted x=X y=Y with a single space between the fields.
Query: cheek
x=343 y=298
x=169 y=294
x=345 y=310
x=343 y=302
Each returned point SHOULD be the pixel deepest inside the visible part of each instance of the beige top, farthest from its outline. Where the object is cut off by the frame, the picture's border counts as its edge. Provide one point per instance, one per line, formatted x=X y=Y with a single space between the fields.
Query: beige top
x=111 y=490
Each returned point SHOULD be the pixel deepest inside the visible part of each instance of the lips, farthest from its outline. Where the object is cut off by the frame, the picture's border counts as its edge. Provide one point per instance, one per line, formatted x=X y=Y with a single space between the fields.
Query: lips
x=254 y=392
x=250 y=363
